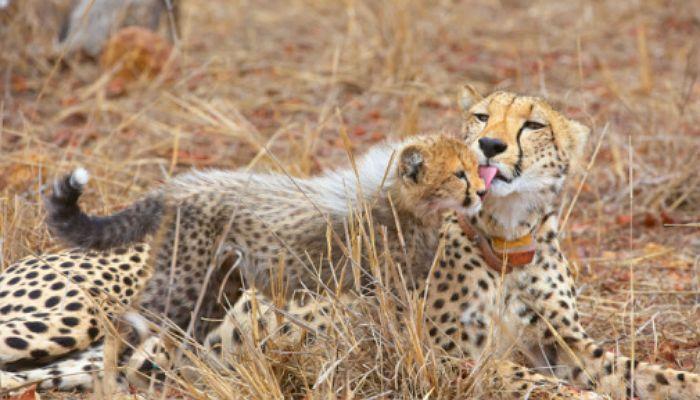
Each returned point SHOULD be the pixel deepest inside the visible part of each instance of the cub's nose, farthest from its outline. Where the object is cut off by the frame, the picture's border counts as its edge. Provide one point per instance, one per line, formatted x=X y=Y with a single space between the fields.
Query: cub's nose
x=492 y=147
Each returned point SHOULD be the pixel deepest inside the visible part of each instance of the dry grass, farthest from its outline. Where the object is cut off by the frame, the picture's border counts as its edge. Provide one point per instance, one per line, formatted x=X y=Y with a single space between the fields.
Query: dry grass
x=293 y=76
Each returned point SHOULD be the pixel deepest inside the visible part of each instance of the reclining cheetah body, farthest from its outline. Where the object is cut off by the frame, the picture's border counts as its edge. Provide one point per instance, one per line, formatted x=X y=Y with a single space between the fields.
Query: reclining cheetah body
x=52 y=309
x=52 y=304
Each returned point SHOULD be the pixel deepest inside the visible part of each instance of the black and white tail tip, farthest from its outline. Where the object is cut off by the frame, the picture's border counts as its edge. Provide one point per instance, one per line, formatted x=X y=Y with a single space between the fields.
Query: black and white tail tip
x=75 y=182
x=79 y=178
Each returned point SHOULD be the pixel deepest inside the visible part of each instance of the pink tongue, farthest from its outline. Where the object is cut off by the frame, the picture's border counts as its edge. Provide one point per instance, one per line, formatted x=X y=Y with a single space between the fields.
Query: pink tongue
x=487 y=173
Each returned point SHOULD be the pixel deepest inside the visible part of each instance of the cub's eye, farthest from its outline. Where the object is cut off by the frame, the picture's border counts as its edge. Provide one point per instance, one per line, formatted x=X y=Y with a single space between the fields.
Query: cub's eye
x=533 y=125
x=461 y=175
x=481 y=117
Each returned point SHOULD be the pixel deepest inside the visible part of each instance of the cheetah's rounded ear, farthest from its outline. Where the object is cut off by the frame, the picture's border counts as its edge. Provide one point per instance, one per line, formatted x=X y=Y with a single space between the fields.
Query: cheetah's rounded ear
x=577 y=142
x=468 y=95
x=411 y=163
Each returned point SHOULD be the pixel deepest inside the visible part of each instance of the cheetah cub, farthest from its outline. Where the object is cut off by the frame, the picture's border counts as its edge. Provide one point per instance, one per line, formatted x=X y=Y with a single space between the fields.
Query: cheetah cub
x=274 y=222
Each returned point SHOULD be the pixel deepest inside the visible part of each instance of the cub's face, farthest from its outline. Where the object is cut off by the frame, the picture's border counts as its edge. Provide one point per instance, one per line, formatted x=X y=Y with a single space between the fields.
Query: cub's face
x=522 y=144
x=438 y=174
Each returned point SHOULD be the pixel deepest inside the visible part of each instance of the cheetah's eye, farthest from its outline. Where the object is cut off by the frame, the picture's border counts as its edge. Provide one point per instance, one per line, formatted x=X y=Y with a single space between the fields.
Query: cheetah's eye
x=461 y=175
x=533 y=125
x=482 y=117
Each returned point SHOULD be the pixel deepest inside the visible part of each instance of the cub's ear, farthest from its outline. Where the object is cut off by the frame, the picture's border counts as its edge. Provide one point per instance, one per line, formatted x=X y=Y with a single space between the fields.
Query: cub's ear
x=467 y=97
x=411 y=163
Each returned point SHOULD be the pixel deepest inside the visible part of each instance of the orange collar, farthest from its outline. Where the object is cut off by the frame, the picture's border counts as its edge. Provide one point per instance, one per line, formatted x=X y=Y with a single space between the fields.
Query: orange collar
x=500 y=254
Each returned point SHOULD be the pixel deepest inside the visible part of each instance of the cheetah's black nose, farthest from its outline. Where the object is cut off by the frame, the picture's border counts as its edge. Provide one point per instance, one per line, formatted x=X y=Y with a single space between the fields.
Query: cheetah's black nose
x=492 y=147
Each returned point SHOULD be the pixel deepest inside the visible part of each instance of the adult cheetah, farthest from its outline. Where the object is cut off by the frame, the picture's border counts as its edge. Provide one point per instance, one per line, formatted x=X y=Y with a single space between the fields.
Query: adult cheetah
x=526 y=149
x=518 y=293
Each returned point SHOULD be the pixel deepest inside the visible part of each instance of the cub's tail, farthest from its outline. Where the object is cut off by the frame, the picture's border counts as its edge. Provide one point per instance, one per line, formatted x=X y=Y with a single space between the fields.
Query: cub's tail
x=68 y=222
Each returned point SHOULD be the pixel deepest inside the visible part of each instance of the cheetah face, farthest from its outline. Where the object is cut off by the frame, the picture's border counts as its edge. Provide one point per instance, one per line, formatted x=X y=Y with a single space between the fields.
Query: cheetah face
x=439 y=174
x=522 y=144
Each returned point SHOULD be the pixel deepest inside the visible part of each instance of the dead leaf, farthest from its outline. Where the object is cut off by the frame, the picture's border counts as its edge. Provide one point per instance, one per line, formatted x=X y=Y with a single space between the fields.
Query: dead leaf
x=623 y=219
x=116 y=87
x=666 y=218
x=375 y=114
x=649 y=221
x=69 y=100
x=377 y=136
x=29 y=394
x=19 y=84
x=359 y=131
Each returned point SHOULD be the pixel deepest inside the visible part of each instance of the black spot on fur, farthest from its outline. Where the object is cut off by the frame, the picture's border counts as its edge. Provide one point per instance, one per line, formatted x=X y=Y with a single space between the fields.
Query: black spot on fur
x=448 y=346
x=661 y=379
x=36 y=327
x=52 y=301
x=70 y=321
x=64 y=341
x=575 y=373
x=93 y=332
x=236 y=336
x=38 y=354
x=16 y=343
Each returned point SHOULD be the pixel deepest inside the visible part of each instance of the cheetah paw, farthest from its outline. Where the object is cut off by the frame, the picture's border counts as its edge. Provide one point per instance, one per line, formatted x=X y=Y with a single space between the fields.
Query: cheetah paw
x=10 y=382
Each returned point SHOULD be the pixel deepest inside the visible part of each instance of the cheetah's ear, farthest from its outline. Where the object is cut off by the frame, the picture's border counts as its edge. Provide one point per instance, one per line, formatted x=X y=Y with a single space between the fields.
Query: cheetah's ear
x=581 y=133
x=575 y=140
x=411 y=163
x=468 y=95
